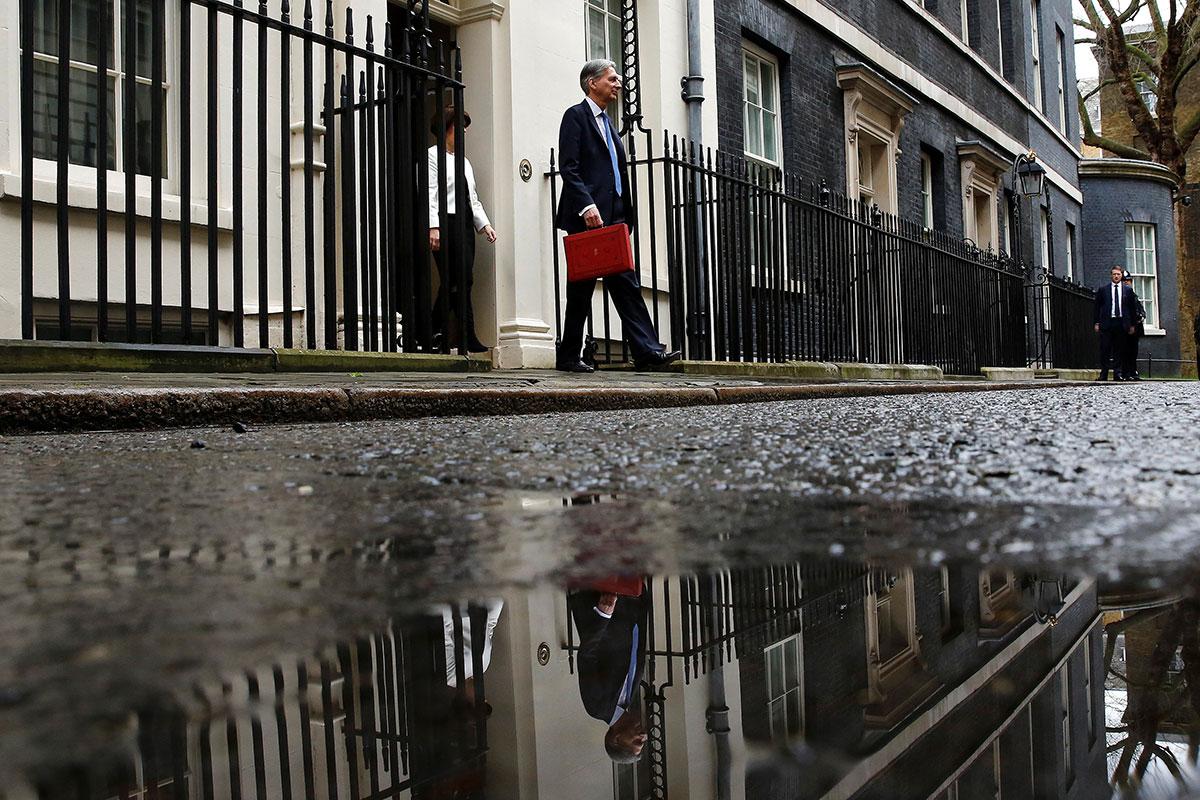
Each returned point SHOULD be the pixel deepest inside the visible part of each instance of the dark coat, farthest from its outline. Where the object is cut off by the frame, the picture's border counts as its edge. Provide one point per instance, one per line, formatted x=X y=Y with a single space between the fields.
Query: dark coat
x=604 y=646
x=1129 y=303
x=586 y=170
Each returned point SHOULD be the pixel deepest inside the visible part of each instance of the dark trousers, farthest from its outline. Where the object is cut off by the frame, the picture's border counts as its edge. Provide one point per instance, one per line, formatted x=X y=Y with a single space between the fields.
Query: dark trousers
x=626 y=293
x=1112 y=346
x=1129 y=357
x=448 y=276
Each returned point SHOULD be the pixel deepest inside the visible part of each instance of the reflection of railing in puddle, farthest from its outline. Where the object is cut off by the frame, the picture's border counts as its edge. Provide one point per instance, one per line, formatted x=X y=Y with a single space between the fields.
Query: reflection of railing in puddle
x=723 y=613
x=705 y=621
x=365 y=720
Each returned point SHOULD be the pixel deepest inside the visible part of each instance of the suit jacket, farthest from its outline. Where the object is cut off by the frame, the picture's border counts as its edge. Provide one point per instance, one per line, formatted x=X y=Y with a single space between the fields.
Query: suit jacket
x=1103 y=309
x=604 y=647
x=587 y=172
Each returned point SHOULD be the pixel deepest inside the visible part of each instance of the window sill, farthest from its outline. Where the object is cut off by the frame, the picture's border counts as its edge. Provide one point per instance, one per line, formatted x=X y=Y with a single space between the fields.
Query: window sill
x=1154 y=332
x=82 y=195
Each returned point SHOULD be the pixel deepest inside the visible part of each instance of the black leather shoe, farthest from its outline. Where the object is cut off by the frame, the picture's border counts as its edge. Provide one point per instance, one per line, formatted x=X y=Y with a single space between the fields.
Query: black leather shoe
x=577 y=366
x=657 y=358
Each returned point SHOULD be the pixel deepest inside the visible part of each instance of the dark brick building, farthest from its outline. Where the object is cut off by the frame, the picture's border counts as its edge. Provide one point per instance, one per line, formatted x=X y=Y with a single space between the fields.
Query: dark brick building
x=912 y=107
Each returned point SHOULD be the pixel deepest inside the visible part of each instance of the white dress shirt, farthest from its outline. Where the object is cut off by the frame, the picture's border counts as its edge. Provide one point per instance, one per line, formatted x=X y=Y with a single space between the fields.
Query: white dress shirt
x=597 y=114
x=494 y=607
x=477 y=212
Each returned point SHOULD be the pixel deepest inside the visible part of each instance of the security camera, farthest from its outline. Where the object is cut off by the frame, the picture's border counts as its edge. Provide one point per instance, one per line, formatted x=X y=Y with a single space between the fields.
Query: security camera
x=1186 y=200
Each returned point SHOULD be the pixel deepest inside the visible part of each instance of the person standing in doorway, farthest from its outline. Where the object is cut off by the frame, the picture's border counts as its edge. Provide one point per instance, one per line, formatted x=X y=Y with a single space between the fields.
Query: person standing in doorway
x=1129 y=362
x=596 y=193
x=1113 y=321
x=447 y=279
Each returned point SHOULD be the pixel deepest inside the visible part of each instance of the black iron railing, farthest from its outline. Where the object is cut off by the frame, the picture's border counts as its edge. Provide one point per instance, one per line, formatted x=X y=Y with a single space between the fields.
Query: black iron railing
x=372 y=718
x=308 y=190
x=698 y=622
x=761 y=265
x=1062 y=315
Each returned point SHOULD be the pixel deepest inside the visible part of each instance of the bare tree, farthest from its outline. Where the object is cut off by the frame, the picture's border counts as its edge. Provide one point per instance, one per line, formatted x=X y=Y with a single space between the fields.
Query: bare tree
x=1157 y=59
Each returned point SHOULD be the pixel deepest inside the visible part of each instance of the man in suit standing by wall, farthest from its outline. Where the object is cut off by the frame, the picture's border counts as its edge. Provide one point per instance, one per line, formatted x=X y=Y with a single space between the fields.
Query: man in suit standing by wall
x=612 y=655
x=596 y=193
x=1115 y=304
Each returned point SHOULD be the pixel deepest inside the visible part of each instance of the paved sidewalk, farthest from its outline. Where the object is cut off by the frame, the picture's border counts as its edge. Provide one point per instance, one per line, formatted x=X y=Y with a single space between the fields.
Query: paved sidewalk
x=110 y=400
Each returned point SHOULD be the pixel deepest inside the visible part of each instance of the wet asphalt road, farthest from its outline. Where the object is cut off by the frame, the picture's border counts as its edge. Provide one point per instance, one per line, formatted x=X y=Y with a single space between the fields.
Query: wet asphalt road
x=134 y=563
x=1059 y=473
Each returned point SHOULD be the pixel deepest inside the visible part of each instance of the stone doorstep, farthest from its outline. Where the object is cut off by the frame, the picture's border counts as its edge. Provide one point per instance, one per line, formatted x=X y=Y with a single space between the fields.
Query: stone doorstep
x=1009 y=373
x=18 y=356
x=812 y=371
x=888 y=372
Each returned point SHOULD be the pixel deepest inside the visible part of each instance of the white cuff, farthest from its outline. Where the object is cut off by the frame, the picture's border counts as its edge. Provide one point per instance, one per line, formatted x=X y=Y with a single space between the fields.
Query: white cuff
x=589 y=208
x=601 y=613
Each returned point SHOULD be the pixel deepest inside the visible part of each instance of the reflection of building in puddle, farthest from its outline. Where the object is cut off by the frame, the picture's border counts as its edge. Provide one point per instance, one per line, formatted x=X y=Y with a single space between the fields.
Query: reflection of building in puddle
x=1151 y=663
x=814 y=679
x=380 y=716
x=846 y=680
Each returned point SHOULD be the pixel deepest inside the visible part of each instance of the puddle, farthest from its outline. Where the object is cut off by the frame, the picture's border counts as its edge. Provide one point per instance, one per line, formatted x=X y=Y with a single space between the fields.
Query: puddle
x=805 y=678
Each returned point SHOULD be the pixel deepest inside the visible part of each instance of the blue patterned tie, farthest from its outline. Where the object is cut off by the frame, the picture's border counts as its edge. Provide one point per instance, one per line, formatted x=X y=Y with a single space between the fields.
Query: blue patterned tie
x=612 y=151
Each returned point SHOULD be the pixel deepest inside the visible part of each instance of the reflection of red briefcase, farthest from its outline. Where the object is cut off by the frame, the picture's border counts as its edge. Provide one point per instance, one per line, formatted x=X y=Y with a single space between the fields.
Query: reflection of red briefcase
x=598 y=253
x=623 y=586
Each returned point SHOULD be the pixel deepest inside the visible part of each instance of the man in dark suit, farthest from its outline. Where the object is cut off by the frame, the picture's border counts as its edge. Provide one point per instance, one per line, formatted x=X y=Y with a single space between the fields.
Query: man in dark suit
x=596 y=193
x=612 y=655
x=1129 y=358
x=1115 y=304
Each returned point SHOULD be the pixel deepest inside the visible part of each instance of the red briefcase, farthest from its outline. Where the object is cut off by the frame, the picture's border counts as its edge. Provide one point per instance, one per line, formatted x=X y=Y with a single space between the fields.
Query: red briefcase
x=598 y=252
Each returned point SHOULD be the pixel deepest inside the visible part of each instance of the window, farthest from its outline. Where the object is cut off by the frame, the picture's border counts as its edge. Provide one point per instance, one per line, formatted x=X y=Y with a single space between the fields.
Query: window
x=1000 y=607
x=1044 y=234
x=1061 y=43
x=893 y=620
x=1064 y=683
x=1008 y=223
x=760 y=95
x=602 y=24
x=926 y=190
x=1036 y=39
x=872 y=155
x=873 y=110
x=85 y=86
x=1000 y=37
x=982 y=174
x=1070 y=245
x=1142 y=262
x=1149 y=96
x=1087 y=689
x=785 y=693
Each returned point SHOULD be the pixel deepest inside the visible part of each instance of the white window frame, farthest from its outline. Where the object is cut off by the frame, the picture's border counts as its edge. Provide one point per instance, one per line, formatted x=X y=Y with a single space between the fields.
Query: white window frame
x=1000 y=37
x=1036 y=38
x=1044 y=233
x=614 y=51
x=756 y=57
x=1065 y=701
x=1140 y=253
x=963 y=9
x=1149 y=97
x=780 y=694
x=85 y=174
x=1069 y=239
x=1061 y=44
x=927 y=190
x=1087 y=688
x=1008 y=225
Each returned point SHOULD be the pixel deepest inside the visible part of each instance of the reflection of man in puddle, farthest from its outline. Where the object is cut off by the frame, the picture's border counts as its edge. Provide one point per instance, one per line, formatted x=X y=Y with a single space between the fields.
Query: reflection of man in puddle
x=612 y=650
